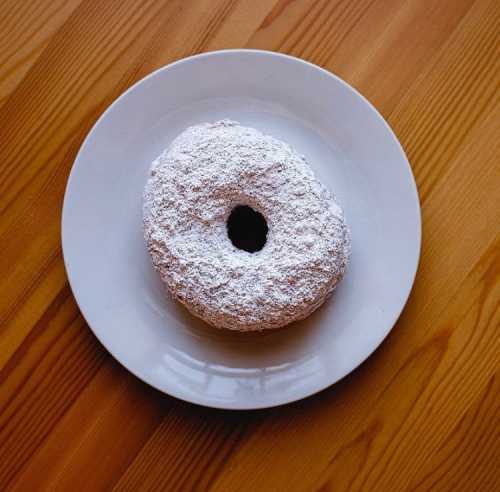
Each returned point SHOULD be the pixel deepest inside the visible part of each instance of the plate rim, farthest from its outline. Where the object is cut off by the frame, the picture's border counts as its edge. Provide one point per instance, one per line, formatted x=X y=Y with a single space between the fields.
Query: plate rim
x=201 y=400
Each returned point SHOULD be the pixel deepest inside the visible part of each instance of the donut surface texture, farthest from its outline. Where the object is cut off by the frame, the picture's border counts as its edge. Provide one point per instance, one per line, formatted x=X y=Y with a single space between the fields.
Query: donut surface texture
x=194 y=186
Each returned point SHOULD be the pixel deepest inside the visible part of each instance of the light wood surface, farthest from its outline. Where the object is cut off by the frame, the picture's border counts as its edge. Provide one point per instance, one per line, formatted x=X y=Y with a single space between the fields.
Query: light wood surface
x=423 y=413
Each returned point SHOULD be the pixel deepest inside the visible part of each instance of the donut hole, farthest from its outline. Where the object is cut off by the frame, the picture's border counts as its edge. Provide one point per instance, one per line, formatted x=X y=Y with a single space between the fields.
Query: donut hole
x=247 y=229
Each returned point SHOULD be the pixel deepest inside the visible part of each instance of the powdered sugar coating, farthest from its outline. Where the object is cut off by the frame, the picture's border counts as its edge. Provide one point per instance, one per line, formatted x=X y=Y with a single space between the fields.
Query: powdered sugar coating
x=192 y=188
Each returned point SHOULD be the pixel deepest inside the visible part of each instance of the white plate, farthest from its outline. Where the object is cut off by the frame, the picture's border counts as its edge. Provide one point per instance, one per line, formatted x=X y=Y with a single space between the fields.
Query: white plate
x=350 y=147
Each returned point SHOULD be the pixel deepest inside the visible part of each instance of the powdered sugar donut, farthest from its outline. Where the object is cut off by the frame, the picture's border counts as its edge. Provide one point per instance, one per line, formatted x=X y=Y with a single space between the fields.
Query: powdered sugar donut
x=240 y=230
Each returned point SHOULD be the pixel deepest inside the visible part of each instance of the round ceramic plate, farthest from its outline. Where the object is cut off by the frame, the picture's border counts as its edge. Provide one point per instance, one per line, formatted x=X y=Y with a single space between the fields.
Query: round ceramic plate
x=352 y=150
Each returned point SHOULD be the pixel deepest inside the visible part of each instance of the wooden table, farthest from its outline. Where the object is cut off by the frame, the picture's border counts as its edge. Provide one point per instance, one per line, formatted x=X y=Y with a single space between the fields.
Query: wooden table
x=422 y=413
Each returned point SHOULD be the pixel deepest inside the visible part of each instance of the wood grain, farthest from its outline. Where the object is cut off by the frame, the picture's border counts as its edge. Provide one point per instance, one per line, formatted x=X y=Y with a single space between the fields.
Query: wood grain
x=423 y=413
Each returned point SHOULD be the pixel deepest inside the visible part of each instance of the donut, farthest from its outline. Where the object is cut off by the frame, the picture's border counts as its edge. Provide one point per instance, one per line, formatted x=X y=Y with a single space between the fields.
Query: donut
x=240 y=230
